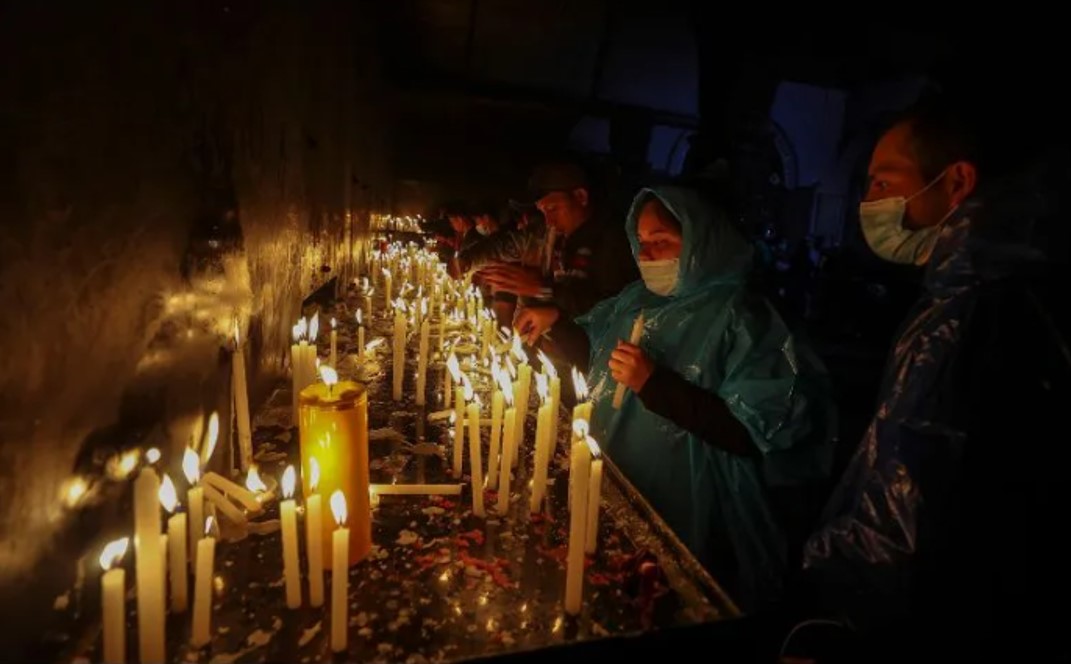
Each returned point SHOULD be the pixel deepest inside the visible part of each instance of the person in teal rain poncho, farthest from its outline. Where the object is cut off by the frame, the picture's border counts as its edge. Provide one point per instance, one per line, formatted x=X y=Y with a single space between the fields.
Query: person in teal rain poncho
x=724 y=402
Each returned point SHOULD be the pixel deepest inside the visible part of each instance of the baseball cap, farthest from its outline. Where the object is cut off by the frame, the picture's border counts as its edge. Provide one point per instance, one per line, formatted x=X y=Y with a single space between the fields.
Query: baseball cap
x=556 y=176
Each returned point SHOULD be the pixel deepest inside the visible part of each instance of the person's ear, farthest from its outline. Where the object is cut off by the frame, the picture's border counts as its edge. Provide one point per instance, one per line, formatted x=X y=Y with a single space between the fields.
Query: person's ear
x=580 y=195
x=962 y=180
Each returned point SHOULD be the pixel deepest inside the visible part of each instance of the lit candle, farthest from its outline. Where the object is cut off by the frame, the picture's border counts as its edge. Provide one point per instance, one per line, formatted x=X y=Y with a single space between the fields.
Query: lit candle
x=241 y=402
x=297 y=363
x=579 y=470
x=334 y=430
x=452 y=369
x=510 y=421
x=177 y=551
x=367 y=300
x=496 y=424
x=360 y=337
x=634 y=338
x=312 y=359
x=150 y=580
x=113 y=601
x=314 y=540
x=288 y=523
x=195 y=497
x=209 y=444
x=340 y=546
x=555 y=401
x=475 y=460
x=388 y=293
x=542 y=443
x=422 y=362
x=201 y=631
x=582 y=410
x=399 y=349
x=594 y=497
x=334 y=345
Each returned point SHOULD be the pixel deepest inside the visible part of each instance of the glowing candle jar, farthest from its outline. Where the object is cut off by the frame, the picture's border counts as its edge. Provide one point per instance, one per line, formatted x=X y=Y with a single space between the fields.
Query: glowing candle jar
x=333 y=427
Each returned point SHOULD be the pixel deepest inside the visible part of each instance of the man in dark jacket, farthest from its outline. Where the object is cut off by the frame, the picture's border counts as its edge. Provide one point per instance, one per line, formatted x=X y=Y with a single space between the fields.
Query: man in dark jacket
x=944 y=535
x=589 y=257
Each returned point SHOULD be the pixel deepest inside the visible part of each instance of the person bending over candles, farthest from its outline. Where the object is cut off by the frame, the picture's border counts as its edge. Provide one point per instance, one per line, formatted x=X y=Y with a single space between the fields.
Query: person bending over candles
x=724 y=403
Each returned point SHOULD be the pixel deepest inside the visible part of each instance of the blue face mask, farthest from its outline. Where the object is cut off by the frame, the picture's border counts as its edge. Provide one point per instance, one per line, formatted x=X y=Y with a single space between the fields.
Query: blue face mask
x=882 y=222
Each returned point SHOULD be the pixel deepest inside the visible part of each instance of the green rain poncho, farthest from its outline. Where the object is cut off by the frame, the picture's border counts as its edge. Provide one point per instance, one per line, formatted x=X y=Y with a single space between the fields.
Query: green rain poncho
x=719 y=336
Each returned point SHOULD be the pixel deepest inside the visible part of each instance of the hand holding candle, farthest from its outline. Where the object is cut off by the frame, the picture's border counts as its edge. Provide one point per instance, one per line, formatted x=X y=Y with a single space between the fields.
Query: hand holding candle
x=113 y=602
x=634 y=338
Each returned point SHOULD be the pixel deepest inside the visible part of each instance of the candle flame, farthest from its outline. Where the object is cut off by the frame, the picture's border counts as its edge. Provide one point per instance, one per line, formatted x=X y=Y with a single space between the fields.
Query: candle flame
x=455 y=369
x=314 y=473
x=120 y=467
x=191 y=466
x=301 y=329
x=518 y=350
x=210 y=523
x=365 y=283
x=168 y=498
x=328 y=375
x=253 y=481
x=453 y=417
x=333 y=322
x=314 y=326
x=338 y=507
x=541 y=387
x=580 y=386
x=581 y=428
x=153 y=455
x=114 y=552
x=237 y=334
x=373 y=344
x=212 y=438
x=359 y=317
x=548 y=366
x=289 y=479
x=467 y=385
x=596 y=451
x=76 y=488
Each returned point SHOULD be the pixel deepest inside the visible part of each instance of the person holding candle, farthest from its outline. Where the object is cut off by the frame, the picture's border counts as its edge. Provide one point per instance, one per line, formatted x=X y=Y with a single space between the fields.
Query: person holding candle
x=725 y=405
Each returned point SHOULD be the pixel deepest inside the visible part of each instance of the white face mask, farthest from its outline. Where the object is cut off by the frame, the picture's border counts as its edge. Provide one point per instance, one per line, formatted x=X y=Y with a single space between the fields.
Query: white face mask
x=883 y=227
x=660 y=277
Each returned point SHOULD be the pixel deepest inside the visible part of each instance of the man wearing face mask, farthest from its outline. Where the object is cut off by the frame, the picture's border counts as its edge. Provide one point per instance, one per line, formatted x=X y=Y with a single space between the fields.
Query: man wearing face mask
x=942 y=531
x=724 y=403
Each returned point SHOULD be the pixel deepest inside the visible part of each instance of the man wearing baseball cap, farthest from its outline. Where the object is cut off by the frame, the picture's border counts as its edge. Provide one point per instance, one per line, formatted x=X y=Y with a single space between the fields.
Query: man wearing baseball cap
x=589 y=255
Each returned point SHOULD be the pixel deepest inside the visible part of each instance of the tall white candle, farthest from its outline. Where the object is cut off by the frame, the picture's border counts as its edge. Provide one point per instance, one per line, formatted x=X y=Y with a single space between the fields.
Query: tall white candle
x=241 y=402
x=314 y=538
x=340 y=549
x=113 y=602
x=542 y=445
x=594 y=497
x=360 y=337
x=579 y=471
x=555 y=402
x=510 y=422
x=634 y=338
x=201 y=630
x=422 y=362
x=388 y=292
x=496 y=438
x=458 y=420
x=150 y=579
x=475 y=460
x=195 y=498
x=399 y=351
x=334 y=345
x=288 y=524
x=297 y=366
x=177 y=547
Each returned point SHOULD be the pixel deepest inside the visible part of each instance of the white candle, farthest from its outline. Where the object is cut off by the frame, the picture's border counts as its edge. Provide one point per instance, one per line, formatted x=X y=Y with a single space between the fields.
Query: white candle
x=510 y=420
x=582 y=410
x=422 y=362
x=201 y=630
x=555 y=401
x=195 y=498
x=288 y=523
x=539 y=470
x=496 y=438
x=177 y=547
x=475 y=461
x=360 y=337
x=458 y=419
x=334 y=345
x=241 y=402
x=388 y=292
x=634 y=338
x=579 y=470
x=594 y=497
x=442 y=327
x=340 y=549
x=163 y=566
x=221 y=503
x=525 y=376
x=113 y=602
x=314 y=539
x=150 y=579
x=399 y=351
x=246 y=498
x=297 y=366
